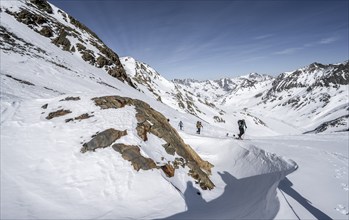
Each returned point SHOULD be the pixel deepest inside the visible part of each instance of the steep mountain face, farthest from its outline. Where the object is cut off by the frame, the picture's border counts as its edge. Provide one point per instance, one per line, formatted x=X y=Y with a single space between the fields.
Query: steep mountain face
x=49 y=56
x=314 y=75
x=150 y=82
x=317 y=94
x=65 y=32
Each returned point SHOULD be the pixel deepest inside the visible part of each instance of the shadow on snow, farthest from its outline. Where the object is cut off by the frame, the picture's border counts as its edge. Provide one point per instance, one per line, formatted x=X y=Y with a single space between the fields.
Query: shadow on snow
x=286 y=187
x=247 y=198
x=250 y=197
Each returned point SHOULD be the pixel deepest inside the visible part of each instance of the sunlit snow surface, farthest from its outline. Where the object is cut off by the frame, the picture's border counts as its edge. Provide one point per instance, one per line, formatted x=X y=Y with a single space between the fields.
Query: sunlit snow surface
x=44 y=175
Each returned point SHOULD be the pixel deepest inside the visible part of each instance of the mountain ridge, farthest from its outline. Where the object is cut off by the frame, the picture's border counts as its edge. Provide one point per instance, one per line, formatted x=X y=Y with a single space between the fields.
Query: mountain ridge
x=319 y=84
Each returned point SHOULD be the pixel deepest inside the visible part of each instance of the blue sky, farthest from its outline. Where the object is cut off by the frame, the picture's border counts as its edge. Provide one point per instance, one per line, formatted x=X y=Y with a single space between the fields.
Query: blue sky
x=211 y=39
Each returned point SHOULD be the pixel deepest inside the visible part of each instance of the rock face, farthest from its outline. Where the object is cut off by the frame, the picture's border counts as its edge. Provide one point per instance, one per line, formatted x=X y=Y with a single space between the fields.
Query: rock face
x=168 y=169
x=57 y=113
x=132 y=154
x=103 y=139
x=152 y=121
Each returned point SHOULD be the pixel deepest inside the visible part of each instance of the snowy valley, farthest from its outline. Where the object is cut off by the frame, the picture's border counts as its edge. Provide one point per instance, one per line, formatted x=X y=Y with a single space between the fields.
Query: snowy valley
x=86 y=134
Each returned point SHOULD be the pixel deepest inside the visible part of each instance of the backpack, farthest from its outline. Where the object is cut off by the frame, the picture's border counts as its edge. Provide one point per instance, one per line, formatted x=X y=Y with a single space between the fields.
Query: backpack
x=241 y=123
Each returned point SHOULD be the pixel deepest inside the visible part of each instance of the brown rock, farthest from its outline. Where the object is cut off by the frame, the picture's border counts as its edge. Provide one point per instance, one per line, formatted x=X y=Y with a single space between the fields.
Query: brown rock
x=168 y=169
x=103 y=139
x=152 y=121
x=70 y=98
x=83 y=116
x=58 y=113
x=132 y=154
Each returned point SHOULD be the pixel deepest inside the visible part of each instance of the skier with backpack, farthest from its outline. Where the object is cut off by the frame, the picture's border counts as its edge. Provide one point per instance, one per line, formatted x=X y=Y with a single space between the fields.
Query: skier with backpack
x=198 y=126
x=242 y=126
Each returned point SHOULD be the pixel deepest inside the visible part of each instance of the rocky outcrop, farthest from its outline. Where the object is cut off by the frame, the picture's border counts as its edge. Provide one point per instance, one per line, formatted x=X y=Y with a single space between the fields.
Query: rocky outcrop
x=70 y=98
x=103 y=139
x=168 y=169
x=42 y=5
x=152 y=121
x=132 y=153
x=37 y=15
x=20 y=80
x=57 y=113
x=62 y=40
x=80 y=117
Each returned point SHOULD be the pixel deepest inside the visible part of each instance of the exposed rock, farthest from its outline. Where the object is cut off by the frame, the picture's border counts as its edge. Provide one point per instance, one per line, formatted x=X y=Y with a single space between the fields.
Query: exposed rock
x=338 y=122
x=168 y=169
x=46 y=31
x=102 y=61
x=68 y=120
x=151 y=121
x=103 y=139
x=20 y=80
x=169 y=149
x=117 y=72
x=42 y=5
x=80 y=47
x=88 y=56
x=58 y=113
x=179 y=161
x=132 y=154
x=218 y=119
x=81 y=117
x=62 y=40
x=44 y=106
x=70 y=98
x=35 y=20
x=81 y=26
x=142 y=129
x=29 y=18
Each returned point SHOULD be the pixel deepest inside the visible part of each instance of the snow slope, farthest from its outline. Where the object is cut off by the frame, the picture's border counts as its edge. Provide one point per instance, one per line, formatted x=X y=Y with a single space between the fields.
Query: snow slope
x=45 y=176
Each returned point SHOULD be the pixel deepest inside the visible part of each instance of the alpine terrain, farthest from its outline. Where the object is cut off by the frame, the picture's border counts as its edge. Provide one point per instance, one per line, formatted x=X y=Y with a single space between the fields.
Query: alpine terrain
x=86 y=134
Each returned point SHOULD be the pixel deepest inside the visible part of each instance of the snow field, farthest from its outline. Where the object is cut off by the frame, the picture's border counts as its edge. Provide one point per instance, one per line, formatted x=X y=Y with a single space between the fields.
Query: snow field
x=319 y=185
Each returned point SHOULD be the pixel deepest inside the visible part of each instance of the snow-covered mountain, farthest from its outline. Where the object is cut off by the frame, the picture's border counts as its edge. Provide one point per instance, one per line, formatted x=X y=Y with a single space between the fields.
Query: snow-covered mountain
x=174 y=95
x=313 y=97
x=62 y=30
x=86 y=134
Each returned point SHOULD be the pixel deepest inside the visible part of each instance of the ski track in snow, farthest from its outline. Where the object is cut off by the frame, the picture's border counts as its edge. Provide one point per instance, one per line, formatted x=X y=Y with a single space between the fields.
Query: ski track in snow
x=8 y=110
x=340 y=166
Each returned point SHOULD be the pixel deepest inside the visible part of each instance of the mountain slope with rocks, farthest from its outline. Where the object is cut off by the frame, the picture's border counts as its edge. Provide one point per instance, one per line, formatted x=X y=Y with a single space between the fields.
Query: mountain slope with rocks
x=86 y=134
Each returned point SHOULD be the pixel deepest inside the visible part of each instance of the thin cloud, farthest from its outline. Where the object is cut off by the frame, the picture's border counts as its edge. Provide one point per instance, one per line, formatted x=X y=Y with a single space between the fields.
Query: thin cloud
x=251 y=59
x=261 y=37
x=323 y=41
x=288 y=51
x=328 y=40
